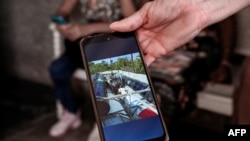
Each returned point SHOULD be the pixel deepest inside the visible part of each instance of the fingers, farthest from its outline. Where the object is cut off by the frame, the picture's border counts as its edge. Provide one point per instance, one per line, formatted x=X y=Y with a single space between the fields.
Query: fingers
x=130 y=23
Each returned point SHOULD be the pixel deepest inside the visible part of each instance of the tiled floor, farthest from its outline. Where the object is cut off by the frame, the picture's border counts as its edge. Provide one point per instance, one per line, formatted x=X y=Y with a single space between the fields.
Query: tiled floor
x=29 y=111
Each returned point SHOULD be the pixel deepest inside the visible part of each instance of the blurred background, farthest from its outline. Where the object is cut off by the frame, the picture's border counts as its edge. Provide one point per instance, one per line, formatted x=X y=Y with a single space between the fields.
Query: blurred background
x=29 y=42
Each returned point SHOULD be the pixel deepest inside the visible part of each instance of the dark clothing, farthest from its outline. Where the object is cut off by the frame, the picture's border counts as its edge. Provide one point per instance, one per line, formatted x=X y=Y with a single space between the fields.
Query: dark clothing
x=72 y=50
x=61 y=71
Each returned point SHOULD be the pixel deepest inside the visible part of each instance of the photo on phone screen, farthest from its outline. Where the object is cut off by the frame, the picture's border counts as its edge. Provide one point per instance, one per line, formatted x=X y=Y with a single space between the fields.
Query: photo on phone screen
x=123 y=97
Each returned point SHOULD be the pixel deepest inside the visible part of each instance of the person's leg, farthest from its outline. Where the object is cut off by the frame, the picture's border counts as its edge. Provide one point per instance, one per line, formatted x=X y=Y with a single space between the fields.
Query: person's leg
x=61 y=71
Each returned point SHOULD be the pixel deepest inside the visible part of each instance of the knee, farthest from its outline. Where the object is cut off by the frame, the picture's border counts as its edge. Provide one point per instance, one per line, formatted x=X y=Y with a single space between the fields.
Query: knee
x=53 y=68
x=61 y=69
x=56 y=69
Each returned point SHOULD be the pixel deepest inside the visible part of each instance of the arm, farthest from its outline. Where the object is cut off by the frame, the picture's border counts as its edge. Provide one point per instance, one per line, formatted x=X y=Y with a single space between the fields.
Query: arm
x=75 y=31
x=66 y=7
x=128 y=7
x=217 y=10
x=163 y=25
x=92 y=28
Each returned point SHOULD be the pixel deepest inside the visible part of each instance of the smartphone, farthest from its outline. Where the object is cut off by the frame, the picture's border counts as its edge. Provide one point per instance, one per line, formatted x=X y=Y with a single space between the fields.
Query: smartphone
x=58 y=19
x=123 y=98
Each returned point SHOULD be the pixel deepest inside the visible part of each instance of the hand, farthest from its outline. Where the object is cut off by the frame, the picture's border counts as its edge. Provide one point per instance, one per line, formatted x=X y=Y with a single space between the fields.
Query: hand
x=73 y=31
x=163 y=25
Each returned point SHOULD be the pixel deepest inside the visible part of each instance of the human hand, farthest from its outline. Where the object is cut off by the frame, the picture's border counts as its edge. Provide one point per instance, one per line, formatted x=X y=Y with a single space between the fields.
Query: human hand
x=73 y=31
x=163 y=25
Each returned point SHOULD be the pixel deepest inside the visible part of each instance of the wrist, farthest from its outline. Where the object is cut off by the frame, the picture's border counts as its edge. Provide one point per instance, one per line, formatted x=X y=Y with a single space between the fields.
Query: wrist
x=99 y=27
x=217 y=10
x=90 y=29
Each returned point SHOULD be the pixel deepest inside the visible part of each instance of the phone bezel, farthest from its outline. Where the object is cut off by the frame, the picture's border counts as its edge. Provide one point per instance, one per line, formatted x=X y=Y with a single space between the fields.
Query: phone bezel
x=107 y=37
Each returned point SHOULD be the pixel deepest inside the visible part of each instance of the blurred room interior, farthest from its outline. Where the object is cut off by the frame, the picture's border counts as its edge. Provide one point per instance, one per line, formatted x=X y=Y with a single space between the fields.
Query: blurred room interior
x=29 y=42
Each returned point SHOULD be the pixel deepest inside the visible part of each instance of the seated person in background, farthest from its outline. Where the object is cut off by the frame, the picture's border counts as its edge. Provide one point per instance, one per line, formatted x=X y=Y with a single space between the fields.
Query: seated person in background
x=225 y=34
x=96 y=16
x=216 y=42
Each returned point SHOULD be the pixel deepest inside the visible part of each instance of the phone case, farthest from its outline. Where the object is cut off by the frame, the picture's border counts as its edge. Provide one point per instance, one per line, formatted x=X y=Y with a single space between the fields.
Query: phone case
x=110 y=89
x=58 y=19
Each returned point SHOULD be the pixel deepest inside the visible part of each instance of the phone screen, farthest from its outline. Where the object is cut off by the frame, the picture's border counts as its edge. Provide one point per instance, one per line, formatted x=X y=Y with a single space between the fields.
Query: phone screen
x=123 y=96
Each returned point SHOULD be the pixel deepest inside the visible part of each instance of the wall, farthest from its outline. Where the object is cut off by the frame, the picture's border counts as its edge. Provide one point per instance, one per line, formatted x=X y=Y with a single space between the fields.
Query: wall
x=25 y=40
x=243 y=32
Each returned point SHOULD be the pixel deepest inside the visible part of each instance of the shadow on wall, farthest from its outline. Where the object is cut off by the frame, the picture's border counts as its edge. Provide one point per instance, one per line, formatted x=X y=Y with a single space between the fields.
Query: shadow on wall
x=6 y=52
x=26 y=40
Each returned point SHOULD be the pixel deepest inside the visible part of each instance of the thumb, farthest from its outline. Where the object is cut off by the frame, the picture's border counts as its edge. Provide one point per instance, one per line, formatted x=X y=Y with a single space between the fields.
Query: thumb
x=130 y=23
